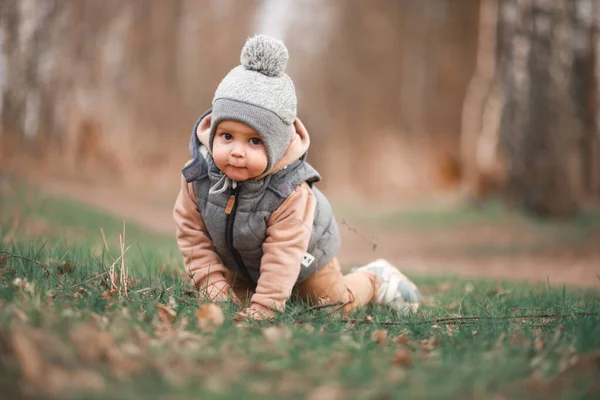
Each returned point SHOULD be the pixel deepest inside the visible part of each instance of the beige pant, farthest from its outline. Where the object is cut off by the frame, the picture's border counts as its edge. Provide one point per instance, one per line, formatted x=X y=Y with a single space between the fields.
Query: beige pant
x=327 y=284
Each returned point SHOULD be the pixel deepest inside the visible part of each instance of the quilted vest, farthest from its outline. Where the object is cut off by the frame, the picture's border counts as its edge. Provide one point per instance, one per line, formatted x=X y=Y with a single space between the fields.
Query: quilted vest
x=238 y=236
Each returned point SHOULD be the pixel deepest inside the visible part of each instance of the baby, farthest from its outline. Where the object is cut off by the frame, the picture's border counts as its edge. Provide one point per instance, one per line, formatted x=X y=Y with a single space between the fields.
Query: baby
x=251 y=224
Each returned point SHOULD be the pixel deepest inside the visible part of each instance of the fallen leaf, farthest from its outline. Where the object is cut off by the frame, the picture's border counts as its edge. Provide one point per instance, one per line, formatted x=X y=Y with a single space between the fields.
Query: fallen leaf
x=209 y=316
x=331 y=391
x=396 y=375
x=165 y=314
x=402 y=357
x=19 y=314
x=444 y=287
x=368 y=319
x=401 y=339
x=380 y=336
x=539 y=342
x=429 y=344
x=24 y=284
x=91 y=344
x=497 y=291
x=127 y=360
x=109 y=294
x=29 y=358
x=469 y=288
x=276 y=333
x=64 y=268
x=60 y=380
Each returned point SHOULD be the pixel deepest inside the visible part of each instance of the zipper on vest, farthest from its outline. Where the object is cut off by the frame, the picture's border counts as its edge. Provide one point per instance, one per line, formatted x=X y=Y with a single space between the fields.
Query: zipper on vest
x=232 y=206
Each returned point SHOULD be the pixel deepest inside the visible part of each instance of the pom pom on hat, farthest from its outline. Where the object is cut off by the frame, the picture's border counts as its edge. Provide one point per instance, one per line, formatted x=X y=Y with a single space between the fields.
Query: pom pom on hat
x=266 y=55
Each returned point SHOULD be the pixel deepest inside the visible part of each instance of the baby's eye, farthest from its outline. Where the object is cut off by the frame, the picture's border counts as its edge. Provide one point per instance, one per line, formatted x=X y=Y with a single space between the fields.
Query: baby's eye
x=255 y=141
x=227 y=136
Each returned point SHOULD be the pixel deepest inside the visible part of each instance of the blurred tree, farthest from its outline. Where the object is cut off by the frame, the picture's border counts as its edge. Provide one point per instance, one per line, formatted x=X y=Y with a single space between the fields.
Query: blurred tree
x=386 y=95
x=543 y=121
x=108 y=90
x=482 y=169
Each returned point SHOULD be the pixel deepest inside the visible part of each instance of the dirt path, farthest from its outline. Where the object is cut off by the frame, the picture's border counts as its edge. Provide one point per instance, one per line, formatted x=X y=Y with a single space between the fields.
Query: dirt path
x=474 y=251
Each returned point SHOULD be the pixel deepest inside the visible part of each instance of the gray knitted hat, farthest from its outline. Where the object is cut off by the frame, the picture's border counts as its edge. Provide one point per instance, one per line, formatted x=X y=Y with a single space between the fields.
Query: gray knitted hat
x=259 y=94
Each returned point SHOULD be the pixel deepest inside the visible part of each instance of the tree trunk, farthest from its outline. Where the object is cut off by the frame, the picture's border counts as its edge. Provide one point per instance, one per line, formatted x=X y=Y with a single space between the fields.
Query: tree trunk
x=541 y=129
x=480 y=164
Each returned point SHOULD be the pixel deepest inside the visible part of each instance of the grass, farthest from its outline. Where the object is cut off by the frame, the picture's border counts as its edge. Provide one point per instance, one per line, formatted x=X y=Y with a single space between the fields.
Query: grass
x=66 y=336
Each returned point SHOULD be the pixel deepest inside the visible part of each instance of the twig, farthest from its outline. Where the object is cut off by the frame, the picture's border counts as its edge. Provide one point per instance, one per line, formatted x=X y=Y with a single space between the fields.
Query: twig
x=322 y=306
x=336 y=306
x=106 y=244
x=529 y=308
x=373 y=242
x=470 y=318
x=123 y=271
x=526 y=316
x=111 y=270
x=87 y=280
x=11 y=255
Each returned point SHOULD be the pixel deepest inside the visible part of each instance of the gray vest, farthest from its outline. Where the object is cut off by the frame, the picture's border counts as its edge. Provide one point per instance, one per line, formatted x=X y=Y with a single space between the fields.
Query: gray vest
x=255 y=201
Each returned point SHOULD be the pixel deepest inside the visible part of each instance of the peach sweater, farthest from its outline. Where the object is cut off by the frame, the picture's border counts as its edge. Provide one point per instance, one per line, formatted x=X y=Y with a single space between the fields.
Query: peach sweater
x=288 y=233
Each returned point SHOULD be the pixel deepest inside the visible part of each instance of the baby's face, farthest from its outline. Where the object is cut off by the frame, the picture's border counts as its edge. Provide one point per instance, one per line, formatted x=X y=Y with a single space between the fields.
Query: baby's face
x=239 y=151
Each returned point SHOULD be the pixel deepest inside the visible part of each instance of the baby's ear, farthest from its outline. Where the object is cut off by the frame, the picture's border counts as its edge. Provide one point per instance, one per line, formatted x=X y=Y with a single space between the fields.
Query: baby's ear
x=203 y=126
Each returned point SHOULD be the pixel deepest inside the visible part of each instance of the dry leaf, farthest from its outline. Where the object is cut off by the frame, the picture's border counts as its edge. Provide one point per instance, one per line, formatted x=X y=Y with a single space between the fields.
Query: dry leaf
x=401 y=339
x=165 y=314
x=276 y=333
x=127 y=360
x=64 y=268
x=23 y=283
x=31 y=362
x=539 y=343
x=402 y=357
x=209 y=316
x=59 y=380
x=469 y=288
x=444 y=287
x=368 y=319
x=380 y=336
x=516 y=338
x=19 y=314
x=109 y=294
x=429 y=344
x=396 y=375
x=91 y=344
x=331 y=391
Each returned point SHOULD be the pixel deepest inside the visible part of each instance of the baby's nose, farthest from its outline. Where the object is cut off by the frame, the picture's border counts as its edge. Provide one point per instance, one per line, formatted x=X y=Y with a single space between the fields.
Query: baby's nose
x=237 y=151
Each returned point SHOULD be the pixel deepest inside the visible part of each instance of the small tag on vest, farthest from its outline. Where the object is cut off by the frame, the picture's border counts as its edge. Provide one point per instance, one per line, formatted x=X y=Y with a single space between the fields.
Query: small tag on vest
x=307 y=260
x=230 y=204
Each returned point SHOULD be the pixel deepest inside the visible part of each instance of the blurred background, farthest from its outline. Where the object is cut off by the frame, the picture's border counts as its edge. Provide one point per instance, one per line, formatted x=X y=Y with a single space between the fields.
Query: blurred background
x=407 y=102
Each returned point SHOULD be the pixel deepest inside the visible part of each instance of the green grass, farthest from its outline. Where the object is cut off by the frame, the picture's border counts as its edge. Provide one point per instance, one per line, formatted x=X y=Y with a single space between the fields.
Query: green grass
x=429 y=216
x=59 y=325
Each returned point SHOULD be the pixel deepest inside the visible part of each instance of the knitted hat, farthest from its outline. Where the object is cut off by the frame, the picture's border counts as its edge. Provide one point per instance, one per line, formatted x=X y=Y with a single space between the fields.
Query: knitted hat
x=259 y=94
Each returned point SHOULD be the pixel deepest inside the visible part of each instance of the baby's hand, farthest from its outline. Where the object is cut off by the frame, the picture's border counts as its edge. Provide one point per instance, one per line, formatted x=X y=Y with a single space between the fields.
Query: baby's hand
x=219 y=292
x=255 y=312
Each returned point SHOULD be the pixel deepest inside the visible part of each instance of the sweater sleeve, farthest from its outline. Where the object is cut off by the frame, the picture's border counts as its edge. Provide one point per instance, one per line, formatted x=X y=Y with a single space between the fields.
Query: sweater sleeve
x=201 y=261
x=288 y=233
